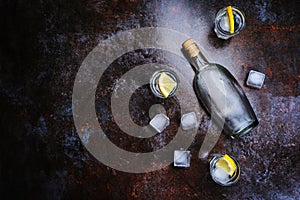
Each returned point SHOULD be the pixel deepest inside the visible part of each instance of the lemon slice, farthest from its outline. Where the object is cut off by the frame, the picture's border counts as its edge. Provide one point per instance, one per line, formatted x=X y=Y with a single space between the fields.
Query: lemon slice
x=231 y=19
x=166 y=84
x=227 y=163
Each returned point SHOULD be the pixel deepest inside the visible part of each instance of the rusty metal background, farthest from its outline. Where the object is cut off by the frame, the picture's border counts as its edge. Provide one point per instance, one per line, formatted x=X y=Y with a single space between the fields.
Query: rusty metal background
x=43 y=43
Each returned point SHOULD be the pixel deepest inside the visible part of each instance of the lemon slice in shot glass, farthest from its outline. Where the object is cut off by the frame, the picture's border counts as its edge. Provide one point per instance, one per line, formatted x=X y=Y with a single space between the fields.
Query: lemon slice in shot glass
x=166 y=84
x=231 y=19
x=227 y=164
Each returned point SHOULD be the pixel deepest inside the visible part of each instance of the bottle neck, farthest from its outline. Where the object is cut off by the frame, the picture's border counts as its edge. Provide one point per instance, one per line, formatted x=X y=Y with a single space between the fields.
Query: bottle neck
x=199 y=62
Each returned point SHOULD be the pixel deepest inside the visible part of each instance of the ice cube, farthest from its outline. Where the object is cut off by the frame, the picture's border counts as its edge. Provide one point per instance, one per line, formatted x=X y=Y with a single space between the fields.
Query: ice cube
x=182 y=158
x=160 y=122
x=220 y=174
x=255 y=79
x=224 y=23
x=188 y=121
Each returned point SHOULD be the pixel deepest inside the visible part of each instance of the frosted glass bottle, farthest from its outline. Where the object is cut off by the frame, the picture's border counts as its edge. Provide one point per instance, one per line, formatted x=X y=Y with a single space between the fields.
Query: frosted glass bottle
x=220 y=94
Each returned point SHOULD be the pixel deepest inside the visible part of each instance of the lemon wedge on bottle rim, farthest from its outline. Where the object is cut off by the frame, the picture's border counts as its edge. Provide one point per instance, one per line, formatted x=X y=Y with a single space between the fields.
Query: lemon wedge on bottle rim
x=227 y=164
x=166 y=84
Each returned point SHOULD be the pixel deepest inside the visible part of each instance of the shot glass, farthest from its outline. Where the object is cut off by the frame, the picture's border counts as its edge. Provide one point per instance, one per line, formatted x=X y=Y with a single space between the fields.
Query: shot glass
x=222 y=28
x=222 y=174
x=154 y=86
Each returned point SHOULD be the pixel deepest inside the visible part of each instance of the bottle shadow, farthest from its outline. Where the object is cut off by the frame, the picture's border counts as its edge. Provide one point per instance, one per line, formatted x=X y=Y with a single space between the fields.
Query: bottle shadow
x=216 y=42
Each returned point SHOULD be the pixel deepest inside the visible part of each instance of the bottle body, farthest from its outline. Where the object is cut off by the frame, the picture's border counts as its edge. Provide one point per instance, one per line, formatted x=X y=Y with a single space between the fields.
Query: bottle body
x=220 y=94
x=225 y=100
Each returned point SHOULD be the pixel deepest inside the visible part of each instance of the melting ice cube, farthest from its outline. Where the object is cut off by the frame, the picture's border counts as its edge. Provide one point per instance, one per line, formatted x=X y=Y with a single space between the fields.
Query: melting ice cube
x=188 y=121
x=255 y=79
x=221 y=174
x=182 y=158
x=224 y=23
x=160 y=122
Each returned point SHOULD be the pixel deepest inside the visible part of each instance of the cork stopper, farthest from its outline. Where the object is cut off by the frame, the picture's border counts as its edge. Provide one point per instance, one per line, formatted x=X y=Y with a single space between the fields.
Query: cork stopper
x=191 y=47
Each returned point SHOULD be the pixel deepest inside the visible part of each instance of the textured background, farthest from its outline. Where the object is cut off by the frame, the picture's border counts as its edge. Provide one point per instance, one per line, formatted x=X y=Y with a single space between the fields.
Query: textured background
x=43 y=43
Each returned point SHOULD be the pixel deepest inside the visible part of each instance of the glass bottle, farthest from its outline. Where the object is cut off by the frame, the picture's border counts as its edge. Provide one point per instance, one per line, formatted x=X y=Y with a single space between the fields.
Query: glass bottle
x=220 y=94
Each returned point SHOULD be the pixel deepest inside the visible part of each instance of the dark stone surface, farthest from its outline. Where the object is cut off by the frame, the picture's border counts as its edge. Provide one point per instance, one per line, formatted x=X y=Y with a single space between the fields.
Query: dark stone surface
x=42 y=46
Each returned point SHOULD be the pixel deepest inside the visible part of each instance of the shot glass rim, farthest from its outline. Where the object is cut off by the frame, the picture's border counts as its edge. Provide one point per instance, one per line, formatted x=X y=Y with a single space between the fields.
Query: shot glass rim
x=152 y=83
x=227 y=33
x=232 y=180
